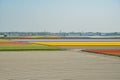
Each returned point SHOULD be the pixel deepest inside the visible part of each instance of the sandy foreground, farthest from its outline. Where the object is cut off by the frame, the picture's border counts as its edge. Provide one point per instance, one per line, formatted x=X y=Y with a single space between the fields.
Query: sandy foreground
x=58 y=65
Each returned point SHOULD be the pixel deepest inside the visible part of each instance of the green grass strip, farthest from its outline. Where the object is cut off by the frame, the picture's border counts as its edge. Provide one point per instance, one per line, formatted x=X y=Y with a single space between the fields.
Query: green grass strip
x=27 y=47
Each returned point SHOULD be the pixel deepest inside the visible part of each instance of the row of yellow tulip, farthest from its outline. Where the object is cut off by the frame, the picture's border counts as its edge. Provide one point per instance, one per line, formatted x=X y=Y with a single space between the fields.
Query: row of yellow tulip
x=4 y=40
x=79 y=43
x=34 y=36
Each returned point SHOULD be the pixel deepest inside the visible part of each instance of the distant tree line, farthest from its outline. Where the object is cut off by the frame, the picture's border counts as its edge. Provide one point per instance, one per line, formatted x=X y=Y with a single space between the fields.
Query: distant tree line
x=5 y=34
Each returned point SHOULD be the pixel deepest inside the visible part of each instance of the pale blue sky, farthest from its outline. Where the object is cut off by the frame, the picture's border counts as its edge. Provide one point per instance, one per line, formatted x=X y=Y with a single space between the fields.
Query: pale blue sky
x=56 y=15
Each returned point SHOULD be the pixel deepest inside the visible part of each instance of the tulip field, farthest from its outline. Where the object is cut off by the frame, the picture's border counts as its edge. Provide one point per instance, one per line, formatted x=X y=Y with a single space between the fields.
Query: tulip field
x=7 y=45
x=31 y=37
x=115 y=52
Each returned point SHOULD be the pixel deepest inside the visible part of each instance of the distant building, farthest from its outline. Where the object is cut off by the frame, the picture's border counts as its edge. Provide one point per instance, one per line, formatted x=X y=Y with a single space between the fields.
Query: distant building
x=2 y=35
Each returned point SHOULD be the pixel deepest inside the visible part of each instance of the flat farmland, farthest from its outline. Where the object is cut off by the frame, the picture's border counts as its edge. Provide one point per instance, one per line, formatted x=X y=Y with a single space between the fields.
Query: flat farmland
x=71 y=64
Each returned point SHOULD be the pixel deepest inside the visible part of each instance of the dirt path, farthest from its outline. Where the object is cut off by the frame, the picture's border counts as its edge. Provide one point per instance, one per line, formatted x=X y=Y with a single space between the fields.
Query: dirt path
x=58 y=65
